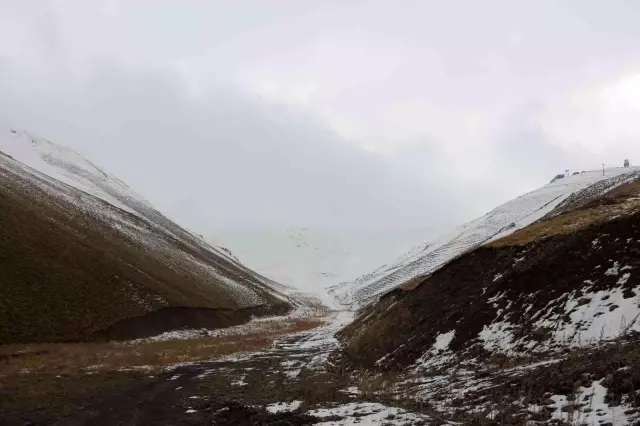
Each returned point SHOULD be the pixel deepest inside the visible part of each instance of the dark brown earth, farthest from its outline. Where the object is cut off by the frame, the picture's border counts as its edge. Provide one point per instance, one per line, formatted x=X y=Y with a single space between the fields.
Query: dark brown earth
x=126 y=398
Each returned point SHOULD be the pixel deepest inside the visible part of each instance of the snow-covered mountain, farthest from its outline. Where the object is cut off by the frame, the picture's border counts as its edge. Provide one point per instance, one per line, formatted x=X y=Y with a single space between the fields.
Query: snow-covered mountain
x=315 y=258
x=423 y=259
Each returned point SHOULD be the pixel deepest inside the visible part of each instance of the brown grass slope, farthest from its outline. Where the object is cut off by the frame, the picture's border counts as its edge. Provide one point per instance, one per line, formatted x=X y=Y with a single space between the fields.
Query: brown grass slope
x=68 y=271
x=539 y=264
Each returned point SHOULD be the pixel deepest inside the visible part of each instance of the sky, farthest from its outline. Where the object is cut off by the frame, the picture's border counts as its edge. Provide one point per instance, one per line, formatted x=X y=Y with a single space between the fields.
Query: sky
x=341 y=114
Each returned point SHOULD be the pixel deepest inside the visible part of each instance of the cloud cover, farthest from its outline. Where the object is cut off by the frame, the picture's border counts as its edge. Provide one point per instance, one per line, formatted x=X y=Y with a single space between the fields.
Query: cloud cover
x=333 y=114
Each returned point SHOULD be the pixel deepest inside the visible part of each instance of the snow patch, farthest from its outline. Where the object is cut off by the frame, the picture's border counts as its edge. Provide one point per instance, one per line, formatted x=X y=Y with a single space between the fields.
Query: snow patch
x=624 y=278
x=368 y=413
x=497 y=337
x=443 y=340
x=605 y=316
x=279 y=407
x=588 y=407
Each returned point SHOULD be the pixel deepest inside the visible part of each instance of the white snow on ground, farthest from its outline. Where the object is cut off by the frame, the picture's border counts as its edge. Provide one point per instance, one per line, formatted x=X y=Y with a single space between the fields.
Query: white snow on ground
x=319 y=342
x=460 y=388
x=497 y=337
x=367 y=414
x=588 y=407
x=439 y=353
x=324 y=336
x=283 y=406
x=574 y=320
x=302 y=350
x=498 y=223
x=607 y=315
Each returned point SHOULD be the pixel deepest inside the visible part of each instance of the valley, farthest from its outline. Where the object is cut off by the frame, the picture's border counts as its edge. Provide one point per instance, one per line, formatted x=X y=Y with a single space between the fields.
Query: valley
x=111 y=313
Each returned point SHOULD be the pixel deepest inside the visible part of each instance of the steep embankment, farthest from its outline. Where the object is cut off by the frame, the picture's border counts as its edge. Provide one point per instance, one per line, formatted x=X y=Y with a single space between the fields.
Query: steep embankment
x=504 y=220
x=566 y=280
x=537 y=327
x=81 y=252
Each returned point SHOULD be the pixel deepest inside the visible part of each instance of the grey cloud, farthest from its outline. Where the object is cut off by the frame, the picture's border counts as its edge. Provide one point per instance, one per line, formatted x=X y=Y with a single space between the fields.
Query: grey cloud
x=222 y=158
x=162 y=96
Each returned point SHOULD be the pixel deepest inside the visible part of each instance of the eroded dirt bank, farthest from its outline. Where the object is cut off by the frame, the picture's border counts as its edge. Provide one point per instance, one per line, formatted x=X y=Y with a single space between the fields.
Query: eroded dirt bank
x=183 y=318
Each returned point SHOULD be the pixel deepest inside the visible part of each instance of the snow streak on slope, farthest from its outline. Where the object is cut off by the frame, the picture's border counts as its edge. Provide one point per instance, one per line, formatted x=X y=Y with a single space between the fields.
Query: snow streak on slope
x=502 y=221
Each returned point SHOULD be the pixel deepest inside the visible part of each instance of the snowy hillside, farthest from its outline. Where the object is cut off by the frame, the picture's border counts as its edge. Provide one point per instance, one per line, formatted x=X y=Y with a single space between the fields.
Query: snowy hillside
x=67 y=166
x=505 y=219
x=313 y=259
x=127 y=259
x=540 y=326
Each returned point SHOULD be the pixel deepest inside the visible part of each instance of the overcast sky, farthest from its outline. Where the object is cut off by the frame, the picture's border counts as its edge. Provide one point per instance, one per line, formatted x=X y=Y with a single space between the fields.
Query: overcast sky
x=320 y=113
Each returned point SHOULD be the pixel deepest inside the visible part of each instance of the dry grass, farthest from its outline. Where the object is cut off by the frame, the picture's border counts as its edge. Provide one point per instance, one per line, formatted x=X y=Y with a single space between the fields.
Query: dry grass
x=580 y=214
x=569 y=222
x=70 y=357
x=413 y=283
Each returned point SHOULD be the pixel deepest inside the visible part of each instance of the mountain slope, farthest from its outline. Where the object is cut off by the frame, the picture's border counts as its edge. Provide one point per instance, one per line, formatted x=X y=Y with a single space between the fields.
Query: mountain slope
x=82 y=253
x=539 y=326
x=504 y=220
